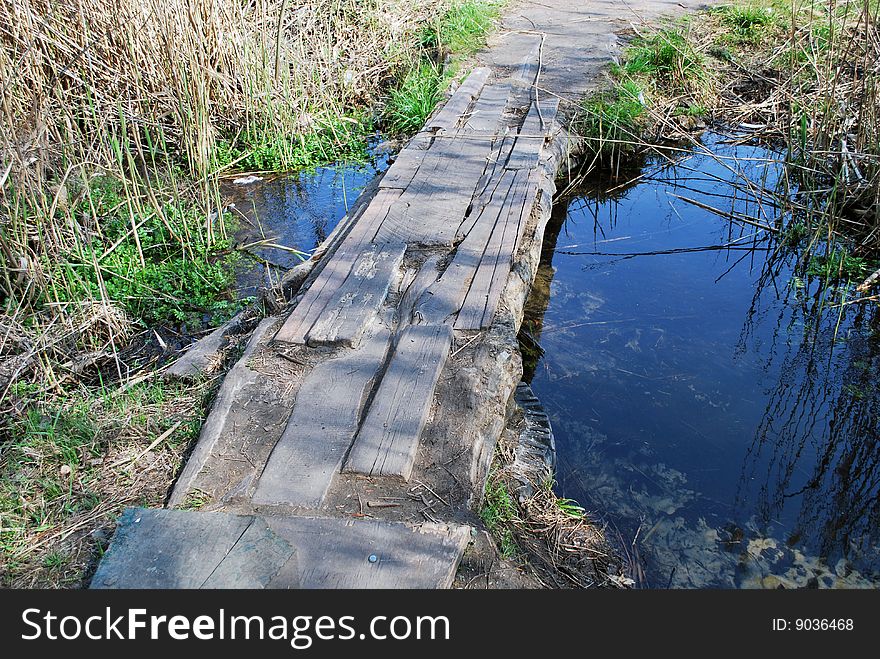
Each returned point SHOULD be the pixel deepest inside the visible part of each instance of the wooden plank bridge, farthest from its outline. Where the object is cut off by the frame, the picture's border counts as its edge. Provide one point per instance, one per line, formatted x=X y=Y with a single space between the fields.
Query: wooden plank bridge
x=347 y=445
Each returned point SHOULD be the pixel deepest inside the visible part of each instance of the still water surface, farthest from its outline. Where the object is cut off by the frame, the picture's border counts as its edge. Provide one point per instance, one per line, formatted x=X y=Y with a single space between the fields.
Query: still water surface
x=709 y=402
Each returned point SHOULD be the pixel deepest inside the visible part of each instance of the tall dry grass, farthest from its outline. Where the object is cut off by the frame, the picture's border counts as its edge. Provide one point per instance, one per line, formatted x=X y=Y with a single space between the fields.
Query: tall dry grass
x=189 y=71
x=138 y=98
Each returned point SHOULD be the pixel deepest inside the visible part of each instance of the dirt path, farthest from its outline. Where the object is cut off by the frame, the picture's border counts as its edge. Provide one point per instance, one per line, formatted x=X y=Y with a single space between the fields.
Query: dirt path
x=350 y=444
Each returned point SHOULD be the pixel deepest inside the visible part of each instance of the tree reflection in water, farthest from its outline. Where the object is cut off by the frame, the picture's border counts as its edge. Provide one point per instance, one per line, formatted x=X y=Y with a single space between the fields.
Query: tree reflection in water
x=802 y=457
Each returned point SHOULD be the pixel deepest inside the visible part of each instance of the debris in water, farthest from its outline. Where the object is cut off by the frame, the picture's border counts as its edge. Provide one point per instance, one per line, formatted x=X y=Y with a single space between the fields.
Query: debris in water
x=247 y=180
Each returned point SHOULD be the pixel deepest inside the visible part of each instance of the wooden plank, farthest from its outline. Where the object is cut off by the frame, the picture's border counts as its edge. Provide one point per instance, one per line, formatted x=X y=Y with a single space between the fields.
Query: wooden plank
x=183 y=549
x=296 y=328
x=515 y=226
x=432 y=208
x=345 y=553
x=321 y=427
x=530 y=141
x=426 y=276
x=497 y=257
x=486 y=187
x=448 y=118
x=357 y=302
x=523 y=81
x=407 y=163
x=237 y=379
x=485 y=116
x=254 y=561
x=387 y=442
x=446 y=297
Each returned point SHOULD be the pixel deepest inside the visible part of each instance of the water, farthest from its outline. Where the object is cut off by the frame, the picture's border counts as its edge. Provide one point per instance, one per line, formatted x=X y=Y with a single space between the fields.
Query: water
x=294 y=212
x=708 y=402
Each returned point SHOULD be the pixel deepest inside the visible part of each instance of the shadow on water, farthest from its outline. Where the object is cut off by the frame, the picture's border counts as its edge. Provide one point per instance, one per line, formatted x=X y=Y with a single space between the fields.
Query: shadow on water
x=712 y=401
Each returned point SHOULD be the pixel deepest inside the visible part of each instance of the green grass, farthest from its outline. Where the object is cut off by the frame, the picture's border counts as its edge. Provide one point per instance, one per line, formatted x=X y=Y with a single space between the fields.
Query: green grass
x=838 y=265
x=611 y=121
x=171 y=271
x=666 y=56
x=748 y=24
x=63 y=458
x=456 y=35
x=571 y=508
x=410 y=104
x=341 y=139
x=462 y=30
x=498 y=514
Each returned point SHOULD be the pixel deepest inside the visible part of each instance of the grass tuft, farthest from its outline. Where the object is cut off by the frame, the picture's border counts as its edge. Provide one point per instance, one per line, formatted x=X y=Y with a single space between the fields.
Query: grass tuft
x=666 y=56
x=611 y=122
x=410 y=104
x=451 y=38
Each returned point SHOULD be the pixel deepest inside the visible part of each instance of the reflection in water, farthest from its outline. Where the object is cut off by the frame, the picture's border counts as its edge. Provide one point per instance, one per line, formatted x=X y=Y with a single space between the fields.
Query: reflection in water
x=710 y=398
x=293 y=212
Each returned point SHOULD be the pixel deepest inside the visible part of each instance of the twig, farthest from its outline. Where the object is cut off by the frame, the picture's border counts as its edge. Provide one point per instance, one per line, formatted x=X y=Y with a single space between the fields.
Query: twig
x=472 y=339
x=428 y=487
x=165 y=435
x=732 y=216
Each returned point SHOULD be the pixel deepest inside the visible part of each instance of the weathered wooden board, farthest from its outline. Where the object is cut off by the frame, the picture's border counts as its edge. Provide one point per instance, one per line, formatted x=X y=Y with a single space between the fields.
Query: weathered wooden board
x=432 y=208
x=485 y=116
x=492 y=271
x=522 y=82
x=530 y=141
x=445 y=298
x=487 y=186
x=184 y=549
x=387 y=442
x=356 y=302
x=321 y=427
x=255 y=561
x=407 y=163
x=345 y=553
x=527 y=187
x=239 y=377
x=296 y=328
x=421 y=282
x=448 y=118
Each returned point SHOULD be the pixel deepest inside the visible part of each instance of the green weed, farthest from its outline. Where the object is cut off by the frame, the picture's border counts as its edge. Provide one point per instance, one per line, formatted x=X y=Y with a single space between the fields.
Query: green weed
x=410 y=104
x=611 y=122
x=748 y=23
x=63 y=460
x=462 y=30
x=498 y=514
x=571 y=508
x=838 y=265
x=666 y=56
x=343 y=139
x=167 y=271
x=455 y=35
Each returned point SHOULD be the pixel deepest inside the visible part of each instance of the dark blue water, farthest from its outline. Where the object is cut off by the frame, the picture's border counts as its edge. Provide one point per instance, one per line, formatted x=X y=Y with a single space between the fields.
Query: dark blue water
x=712 y=402
x=293 y=213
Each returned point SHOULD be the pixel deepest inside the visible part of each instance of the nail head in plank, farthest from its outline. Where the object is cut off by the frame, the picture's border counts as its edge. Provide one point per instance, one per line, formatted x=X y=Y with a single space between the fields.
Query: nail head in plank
x=388 y=439
x=321 y=427
x=335 y=553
